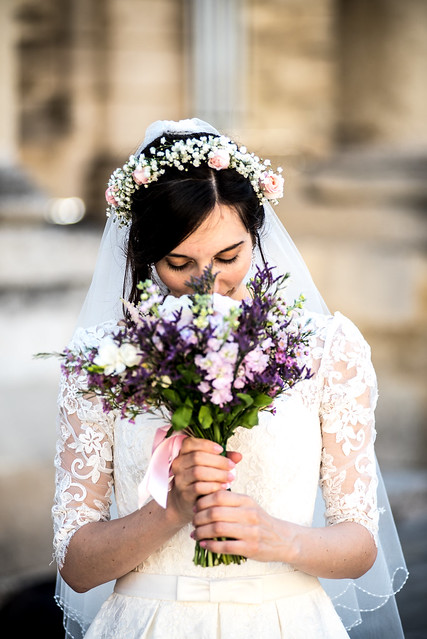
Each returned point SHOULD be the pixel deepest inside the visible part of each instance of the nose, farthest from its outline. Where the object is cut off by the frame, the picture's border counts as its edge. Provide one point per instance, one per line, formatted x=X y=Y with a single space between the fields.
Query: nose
x=217 y=284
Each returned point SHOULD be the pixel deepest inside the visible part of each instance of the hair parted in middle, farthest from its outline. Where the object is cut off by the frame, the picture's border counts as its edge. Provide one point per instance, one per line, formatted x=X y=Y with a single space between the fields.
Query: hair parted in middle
x=173 y=207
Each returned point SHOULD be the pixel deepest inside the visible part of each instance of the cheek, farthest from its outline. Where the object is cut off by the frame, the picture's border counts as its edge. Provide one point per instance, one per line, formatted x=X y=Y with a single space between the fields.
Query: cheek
x=244 y=264
x=234 y=274
x=170 y=278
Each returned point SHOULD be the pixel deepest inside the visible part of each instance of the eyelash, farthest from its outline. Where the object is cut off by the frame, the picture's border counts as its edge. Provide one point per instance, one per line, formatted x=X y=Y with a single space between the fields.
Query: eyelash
x=218 y=259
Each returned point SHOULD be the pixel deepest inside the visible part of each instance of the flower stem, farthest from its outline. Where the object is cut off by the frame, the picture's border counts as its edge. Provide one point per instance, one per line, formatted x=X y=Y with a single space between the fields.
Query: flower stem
x=208 y=559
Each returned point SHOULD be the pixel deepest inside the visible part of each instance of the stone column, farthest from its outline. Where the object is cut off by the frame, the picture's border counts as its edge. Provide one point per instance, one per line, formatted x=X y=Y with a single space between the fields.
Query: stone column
x=217 y=61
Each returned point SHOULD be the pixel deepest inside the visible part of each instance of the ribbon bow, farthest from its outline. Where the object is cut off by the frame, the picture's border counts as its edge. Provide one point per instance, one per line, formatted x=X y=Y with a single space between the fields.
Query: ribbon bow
x=158 y=475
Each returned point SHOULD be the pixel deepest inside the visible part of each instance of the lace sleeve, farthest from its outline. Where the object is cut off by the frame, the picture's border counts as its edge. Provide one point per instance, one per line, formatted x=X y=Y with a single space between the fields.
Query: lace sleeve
x=83 y=461
x=348 y=470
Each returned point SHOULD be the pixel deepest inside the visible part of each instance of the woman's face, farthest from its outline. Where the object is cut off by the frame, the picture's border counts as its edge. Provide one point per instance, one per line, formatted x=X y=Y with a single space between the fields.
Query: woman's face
x=223 y=241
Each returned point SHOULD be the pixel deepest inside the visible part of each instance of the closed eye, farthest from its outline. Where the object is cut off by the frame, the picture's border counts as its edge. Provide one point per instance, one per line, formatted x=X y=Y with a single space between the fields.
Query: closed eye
x=222 y=260
x=174 y=267
x=182 y=267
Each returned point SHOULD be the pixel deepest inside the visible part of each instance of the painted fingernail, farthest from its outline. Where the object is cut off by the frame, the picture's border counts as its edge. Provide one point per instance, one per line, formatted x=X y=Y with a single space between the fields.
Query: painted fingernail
x=203 y=544
x=193 y=534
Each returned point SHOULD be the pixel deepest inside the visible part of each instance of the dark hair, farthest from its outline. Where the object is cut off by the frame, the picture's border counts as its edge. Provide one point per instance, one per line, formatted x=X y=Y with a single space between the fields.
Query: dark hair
x=172 y=208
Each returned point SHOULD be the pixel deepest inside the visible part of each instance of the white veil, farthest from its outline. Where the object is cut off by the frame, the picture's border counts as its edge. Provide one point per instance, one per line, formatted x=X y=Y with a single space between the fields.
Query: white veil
x=366 y=605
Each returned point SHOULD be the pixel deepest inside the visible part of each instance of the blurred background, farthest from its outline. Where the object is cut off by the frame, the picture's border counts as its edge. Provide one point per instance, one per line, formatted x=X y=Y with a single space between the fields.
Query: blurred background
x=335 y=91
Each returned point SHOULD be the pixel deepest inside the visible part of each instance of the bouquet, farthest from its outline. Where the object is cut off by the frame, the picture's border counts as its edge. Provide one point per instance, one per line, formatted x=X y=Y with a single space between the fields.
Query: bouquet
x=209 y=363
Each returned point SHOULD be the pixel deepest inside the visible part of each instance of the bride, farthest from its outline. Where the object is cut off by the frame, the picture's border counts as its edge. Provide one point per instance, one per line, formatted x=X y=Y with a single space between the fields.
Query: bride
x=189 y=198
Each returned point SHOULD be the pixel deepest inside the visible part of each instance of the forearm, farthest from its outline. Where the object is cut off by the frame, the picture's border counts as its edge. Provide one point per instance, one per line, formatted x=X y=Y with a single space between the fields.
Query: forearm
x=101 y=551
x=345 y=550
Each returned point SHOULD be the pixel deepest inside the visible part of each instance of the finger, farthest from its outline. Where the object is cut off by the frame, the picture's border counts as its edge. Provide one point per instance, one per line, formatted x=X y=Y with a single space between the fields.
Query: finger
x=190 y=459
x=234 y=456
x=199 y=459
x=191 y=444
x=223 y=529
x=211 y=515
x=228 y=547
x=204 y=488
x=226 y=498
x=203 y=474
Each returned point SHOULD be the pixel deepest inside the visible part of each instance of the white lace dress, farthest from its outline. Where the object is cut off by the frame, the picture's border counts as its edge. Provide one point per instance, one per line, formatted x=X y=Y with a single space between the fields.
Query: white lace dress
x=323 y=428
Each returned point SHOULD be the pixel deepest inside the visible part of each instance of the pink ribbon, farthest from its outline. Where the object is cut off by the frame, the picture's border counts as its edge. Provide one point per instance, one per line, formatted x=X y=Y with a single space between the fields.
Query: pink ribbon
x=158 y=475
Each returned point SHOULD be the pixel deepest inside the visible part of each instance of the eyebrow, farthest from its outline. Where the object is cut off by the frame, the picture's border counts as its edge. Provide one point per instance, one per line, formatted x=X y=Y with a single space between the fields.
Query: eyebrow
x=225 y=250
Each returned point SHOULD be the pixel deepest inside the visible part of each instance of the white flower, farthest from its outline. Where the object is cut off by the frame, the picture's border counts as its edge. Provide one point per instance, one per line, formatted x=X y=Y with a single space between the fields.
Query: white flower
x=172 y=304
x=223 y=304
x=129 y=355
x=113 y=358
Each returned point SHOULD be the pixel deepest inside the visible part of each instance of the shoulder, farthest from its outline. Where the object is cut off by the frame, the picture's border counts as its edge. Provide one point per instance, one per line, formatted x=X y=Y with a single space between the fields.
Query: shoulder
x=88 y=337
x=336 y=339
x=328 y=327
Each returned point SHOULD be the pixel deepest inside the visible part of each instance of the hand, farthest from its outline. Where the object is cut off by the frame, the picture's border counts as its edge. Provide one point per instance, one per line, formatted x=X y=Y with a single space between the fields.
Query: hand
x=198 y=470
x=249 y=530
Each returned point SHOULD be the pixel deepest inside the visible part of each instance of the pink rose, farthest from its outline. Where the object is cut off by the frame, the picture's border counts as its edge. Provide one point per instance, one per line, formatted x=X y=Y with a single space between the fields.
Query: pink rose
x=272 y=185
x=219 y=159
x=109 y=196
x=141 y=175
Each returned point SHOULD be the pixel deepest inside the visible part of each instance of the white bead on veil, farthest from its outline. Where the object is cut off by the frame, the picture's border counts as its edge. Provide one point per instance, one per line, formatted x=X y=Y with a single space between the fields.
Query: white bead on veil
x=366 y=604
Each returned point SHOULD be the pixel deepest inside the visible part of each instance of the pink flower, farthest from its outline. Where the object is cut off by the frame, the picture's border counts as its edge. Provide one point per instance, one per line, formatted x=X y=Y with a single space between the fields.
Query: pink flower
x=204 y=387
x=255 y=361
x=141 y=175
x=219 y=159
x=221 y=396
x=272 y=185
x=239 y=382
x=109 y=195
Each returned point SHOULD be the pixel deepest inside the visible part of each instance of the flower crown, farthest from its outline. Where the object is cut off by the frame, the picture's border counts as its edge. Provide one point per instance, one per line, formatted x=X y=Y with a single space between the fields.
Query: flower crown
x=219 y=153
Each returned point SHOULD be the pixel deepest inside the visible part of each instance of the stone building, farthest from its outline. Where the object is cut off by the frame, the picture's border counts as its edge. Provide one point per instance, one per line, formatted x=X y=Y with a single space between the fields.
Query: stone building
x=333 y=90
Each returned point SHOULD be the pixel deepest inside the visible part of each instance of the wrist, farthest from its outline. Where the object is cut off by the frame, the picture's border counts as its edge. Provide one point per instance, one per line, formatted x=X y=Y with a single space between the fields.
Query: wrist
x=174 y=514
x=292 y=536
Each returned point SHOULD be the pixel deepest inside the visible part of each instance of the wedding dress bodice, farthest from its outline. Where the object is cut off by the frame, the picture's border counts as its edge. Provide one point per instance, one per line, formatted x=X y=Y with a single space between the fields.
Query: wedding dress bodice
x=322 y=430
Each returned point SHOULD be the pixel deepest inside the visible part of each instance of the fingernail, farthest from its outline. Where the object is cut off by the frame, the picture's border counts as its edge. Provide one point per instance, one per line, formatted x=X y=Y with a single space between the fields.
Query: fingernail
x=192 y=534
x=231 y=476
x=231 y=464
x=203 y=544
x=218 y=448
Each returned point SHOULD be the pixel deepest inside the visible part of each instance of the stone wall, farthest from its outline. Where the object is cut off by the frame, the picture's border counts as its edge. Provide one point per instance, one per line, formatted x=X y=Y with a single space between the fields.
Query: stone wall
x=291 y=79
x=381 y=55
x=92 y=77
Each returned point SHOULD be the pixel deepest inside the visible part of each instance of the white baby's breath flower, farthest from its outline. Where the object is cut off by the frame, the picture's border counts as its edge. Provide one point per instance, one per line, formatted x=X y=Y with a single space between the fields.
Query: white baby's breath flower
x=142 y=171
